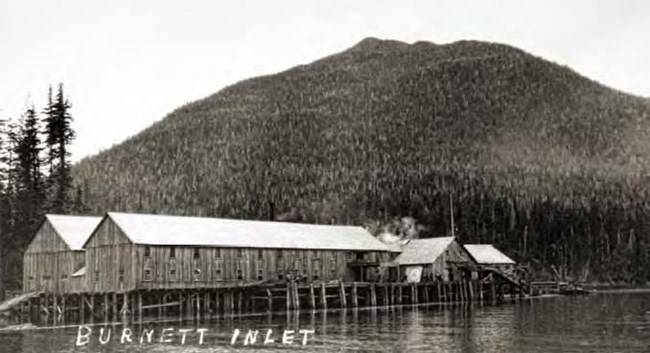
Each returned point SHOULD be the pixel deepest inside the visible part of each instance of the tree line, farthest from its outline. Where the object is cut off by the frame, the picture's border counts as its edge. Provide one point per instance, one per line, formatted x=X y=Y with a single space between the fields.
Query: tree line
x=35 y=178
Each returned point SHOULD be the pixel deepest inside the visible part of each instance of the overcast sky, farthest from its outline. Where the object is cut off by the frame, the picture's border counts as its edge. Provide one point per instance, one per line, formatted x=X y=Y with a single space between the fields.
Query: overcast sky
x=127 y=63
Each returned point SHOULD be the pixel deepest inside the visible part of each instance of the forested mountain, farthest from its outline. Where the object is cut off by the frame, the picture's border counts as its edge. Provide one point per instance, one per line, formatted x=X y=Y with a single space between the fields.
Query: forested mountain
x=548 y=165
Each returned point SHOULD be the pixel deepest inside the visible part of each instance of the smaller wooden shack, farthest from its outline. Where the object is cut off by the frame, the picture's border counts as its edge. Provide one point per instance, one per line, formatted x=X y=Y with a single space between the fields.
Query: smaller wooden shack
x=487 y=255
x=54 y=260
x=434 y=259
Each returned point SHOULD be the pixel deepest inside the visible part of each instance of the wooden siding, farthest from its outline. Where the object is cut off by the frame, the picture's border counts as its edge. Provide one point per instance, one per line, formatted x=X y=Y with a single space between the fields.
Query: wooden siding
x=115 y=264
x=110 y=262
x=441 y=267
x=223 y=266
x=48 y=264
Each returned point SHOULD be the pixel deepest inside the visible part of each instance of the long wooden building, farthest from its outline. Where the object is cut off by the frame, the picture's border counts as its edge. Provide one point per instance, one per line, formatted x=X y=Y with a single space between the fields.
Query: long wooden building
x=54 y=260
x=136 y=251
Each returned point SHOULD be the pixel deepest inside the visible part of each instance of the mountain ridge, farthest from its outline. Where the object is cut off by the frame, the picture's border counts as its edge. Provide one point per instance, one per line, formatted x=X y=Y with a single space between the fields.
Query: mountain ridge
x=387 y=129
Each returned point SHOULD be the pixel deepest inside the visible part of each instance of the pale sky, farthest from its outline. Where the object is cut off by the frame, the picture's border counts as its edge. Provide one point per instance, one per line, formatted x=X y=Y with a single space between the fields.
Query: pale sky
x=127 y=63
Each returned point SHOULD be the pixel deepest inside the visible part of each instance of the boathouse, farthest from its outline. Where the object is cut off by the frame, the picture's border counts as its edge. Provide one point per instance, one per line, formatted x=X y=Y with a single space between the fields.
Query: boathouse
x=137 y=251
x=54 y=260
x=487 y=255
x=435 y=259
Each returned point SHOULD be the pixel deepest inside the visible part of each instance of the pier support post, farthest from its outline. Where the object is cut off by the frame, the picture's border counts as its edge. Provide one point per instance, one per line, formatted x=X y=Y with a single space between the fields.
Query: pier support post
x=373 y=295
x=323 y=295
x=344 y=302
x=312 y=296
x=140 y=314
x=400 y=294
x=269 y=300
x=355 y=295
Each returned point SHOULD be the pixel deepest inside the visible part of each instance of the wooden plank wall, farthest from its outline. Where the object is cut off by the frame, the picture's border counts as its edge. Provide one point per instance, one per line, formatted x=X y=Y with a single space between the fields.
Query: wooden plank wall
x=109 y=252
x=110 y=262
x=439 y=268
x=193 y=267
x=48 y=264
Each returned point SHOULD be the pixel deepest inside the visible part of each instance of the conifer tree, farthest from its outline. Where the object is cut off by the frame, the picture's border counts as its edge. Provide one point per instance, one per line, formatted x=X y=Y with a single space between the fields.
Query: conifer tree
x=59 y=136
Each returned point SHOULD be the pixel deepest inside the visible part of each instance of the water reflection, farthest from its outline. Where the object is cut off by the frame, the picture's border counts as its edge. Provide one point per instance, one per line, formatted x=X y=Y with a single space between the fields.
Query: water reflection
x=598 y=323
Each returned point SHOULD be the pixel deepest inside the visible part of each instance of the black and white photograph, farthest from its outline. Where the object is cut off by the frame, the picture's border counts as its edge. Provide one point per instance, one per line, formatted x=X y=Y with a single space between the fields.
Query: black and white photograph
x=324 y=176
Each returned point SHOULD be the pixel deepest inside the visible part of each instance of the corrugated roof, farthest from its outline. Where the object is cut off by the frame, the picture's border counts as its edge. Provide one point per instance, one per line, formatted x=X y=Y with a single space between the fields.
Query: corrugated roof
x=74 y=230
x=177 y=230
x=423 y=251
x=487 y=254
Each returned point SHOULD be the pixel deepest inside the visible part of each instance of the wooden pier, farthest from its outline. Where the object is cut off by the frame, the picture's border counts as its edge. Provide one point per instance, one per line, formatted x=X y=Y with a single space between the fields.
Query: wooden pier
x=49 y=309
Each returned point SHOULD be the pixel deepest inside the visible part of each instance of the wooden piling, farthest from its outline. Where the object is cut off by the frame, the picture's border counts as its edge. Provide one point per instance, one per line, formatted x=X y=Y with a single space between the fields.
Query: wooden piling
x=355 y=302
x=493 y=291
x=125 y=307
x=269 y=301
x=312 y=296
x=91 y=319
x=140 y=307
x=323 y=295
x=373 y=295
x=400 y=294
x=180 y=306
x=296 y=296
x=198 y=306
x=207 y=304
x=344 y=302
x=386 y=296
x=288 y=296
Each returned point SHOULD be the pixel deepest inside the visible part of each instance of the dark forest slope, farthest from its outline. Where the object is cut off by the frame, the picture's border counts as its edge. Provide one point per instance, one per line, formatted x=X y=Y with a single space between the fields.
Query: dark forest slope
x=539 y=160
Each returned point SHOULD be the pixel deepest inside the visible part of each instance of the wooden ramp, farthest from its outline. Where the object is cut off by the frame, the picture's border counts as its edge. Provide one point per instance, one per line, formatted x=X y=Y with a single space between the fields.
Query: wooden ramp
x=520 y=284
x=15 y=301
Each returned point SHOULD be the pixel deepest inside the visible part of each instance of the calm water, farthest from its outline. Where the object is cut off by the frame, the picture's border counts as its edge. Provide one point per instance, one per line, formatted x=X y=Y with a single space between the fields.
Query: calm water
x=603 y=322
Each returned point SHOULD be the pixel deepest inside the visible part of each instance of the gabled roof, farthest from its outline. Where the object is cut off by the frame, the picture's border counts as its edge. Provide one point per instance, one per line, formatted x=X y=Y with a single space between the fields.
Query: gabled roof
x=487 y=254
x=74 y=230
x=423 y=251
x=199 y=231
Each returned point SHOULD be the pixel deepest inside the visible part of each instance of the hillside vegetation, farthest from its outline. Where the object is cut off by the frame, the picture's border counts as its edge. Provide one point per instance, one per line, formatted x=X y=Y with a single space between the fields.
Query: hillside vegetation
x=546 y=164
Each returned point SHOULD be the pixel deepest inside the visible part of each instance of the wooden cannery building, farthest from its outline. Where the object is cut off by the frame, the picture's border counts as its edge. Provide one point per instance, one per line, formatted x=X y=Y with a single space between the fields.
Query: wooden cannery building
x=435 y=259
x=54 y=260
x=487 y=255
x=137 y=251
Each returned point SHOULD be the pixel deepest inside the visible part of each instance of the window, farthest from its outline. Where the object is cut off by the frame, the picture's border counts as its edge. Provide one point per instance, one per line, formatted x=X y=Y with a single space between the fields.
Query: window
x=172 y=252
x=96 y=276
x=197 y=253
x=147 y=251
x=147 y=275
x=217 y=253
x=121 y=275
x=260 y=274
x=218 y=273
x=239 y=274
x=260 y=254
x=279 y=254
x=31 y=278
x=46 y=277
x=172 y=274
x=360 y=256
x=238 y=253
x=315 y=254
x=197 y=274
x=64 y=277
x=280 y=274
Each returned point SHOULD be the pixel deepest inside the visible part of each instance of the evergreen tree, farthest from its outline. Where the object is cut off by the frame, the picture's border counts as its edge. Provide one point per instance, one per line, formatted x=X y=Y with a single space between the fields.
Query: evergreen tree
x=59 y=136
